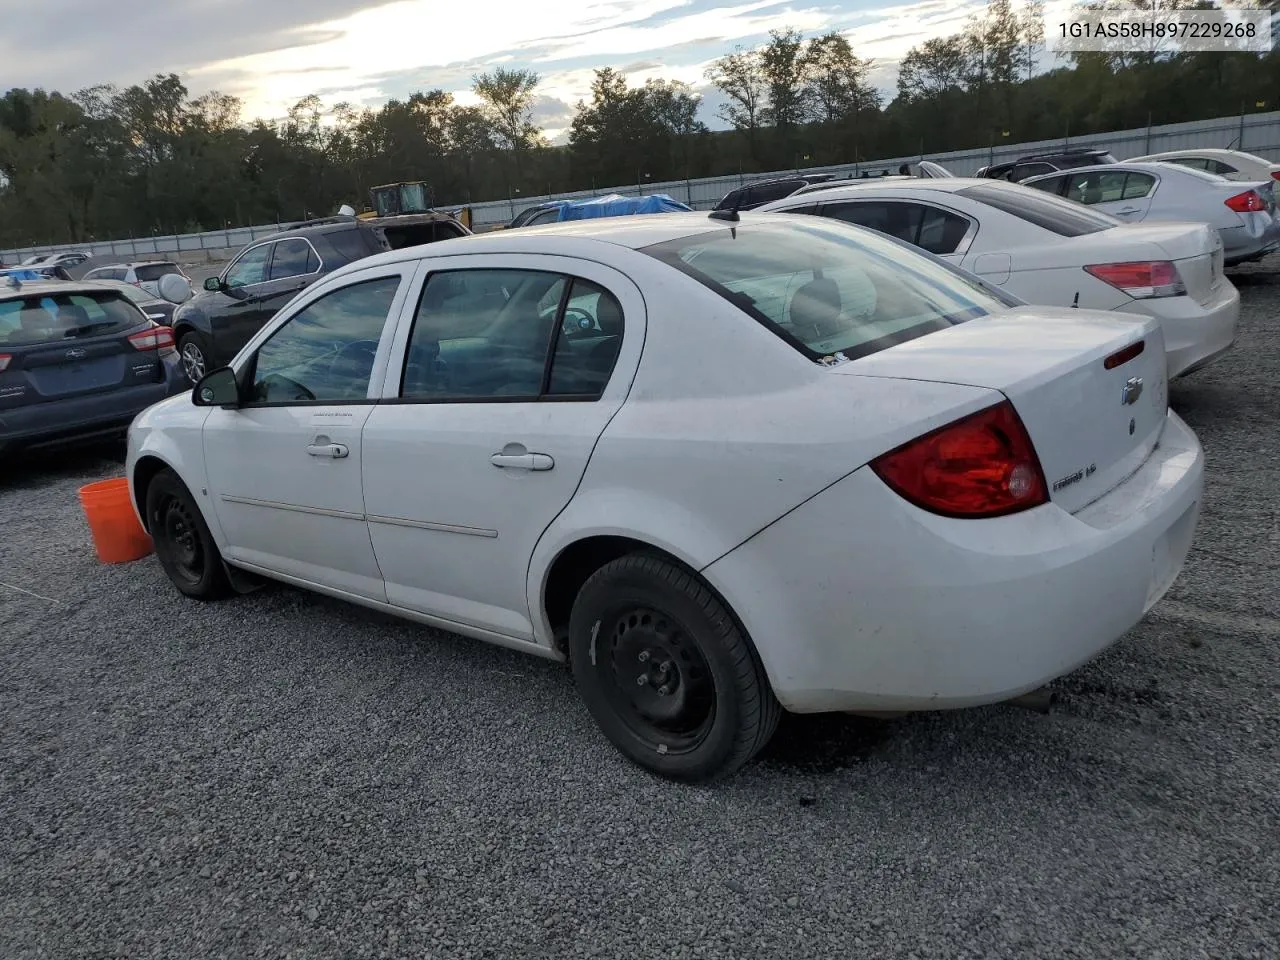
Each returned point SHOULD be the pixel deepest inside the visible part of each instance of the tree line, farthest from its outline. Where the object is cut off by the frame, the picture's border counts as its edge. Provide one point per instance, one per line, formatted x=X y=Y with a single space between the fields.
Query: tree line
x=105 y=162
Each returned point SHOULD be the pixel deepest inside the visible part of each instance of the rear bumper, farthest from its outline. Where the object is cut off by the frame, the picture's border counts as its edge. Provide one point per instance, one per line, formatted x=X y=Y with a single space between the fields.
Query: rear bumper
x=1194 y=333
x=860 y=601
x=85 y=417
x=1240 y=247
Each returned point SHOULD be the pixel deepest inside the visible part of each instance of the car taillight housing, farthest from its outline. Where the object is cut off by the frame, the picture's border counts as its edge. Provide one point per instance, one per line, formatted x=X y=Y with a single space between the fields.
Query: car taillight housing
x=983 y=465
x=1142 y=279
x=4 y=361
x=1275 y=174
x=1248 y=202
x=154 y=338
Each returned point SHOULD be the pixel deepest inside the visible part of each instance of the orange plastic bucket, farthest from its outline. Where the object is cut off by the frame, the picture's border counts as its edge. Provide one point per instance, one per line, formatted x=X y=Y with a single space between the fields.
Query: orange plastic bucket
x=117 y=534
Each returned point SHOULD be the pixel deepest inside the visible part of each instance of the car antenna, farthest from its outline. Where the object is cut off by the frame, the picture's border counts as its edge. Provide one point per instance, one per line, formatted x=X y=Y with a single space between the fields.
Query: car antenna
x=730 y=215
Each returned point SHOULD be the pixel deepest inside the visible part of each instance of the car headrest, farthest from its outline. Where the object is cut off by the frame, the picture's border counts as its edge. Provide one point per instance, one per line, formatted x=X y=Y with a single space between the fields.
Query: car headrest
x=817 y=303
x=609 y=315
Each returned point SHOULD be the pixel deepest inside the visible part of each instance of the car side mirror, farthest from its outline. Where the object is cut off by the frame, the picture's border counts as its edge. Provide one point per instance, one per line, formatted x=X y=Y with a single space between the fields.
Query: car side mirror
x=175 y=288
x=212 y=284
x=219 y=388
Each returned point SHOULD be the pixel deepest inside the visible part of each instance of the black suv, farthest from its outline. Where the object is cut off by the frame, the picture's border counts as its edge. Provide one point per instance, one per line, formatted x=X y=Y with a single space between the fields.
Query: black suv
x=766 y=191
x=1038 y=163
x=267 y=273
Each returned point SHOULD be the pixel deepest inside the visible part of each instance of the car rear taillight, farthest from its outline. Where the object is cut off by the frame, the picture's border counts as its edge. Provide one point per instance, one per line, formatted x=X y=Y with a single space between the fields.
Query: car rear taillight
x=983 y=465
x=1141 y=280
x=1248 y=202
x=1275 y=174
x=155 y=338
x=4 y=361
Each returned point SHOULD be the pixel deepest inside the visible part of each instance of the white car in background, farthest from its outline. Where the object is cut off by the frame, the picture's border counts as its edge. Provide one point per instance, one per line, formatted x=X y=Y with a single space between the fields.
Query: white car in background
x=671 y=450
x=146 y=274
x=1232 y=164
x=1048 y=250
x=1243 y=212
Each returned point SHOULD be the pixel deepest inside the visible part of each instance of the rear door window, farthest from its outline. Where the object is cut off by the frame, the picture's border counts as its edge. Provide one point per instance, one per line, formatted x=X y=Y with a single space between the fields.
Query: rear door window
x=1044 y=210
x=58 y=317
x=293 y=258
x=1137 y=186
x=1053 y=185
x=350 y=244
x=921 y=225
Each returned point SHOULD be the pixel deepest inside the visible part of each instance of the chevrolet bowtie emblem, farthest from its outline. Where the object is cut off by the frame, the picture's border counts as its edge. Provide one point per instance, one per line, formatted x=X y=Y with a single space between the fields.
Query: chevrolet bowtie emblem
x=1132 y=391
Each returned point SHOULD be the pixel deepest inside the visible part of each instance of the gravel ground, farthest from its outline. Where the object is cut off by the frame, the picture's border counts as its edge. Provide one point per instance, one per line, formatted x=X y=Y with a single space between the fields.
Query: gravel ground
x=285 y=776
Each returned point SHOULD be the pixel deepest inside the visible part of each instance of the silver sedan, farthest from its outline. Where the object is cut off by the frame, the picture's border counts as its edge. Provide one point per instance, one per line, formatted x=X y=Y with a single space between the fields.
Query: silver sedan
x=1243 y=212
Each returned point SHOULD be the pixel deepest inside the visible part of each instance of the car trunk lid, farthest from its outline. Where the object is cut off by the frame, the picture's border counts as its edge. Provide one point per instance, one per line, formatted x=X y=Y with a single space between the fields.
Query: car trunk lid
x=1093 y=420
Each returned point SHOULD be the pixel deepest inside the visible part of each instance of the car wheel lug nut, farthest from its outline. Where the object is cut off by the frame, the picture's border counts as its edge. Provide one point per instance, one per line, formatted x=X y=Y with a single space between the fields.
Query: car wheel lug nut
x=664 y=690
x=644 y=656
x=642 y=680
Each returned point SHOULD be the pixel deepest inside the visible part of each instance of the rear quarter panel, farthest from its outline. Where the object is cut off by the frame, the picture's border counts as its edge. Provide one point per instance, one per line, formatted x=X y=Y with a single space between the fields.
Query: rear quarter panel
x=727 y=428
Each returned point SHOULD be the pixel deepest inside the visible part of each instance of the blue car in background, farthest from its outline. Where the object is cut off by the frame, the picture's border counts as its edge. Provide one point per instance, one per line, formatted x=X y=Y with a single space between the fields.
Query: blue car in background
x=613 y=205
x=77 y=361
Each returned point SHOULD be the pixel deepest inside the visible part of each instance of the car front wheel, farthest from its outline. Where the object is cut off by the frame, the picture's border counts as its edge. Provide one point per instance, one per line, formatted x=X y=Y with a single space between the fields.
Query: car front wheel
x=666 y=672
x=194 y=354
x=182 y=539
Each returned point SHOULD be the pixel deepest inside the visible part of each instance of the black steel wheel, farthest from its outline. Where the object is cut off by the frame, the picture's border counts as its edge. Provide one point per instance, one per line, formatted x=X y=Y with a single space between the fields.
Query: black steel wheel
x=182 y=539
x=666 y=672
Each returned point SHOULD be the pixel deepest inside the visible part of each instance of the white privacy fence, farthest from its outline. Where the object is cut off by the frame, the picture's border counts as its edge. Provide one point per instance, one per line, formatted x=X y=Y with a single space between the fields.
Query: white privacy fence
x=1255 y=133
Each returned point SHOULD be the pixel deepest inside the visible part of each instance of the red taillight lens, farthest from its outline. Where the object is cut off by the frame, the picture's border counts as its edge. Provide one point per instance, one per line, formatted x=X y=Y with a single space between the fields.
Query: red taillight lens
x=4 y=361
x=1248 y=202
x=157 y=338
x=1141 y=279
x=981 y=466
x=1275 y=174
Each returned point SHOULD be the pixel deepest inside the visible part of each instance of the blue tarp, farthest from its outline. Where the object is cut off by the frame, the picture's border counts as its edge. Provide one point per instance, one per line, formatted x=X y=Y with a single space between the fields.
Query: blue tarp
x=616 y=205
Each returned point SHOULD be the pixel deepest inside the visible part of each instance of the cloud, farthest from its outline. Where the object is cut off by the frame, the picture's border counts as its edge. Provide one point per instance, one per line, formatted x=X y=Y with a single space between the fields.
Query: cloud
x=272 y=54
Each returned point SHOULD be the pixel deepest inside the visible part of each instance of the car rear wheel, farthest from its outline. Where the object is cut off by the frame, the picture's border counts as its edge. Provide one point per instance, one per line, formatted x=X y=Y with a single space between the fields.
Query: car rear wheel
x=194 y=354
x=666 y=672
x=182 y=540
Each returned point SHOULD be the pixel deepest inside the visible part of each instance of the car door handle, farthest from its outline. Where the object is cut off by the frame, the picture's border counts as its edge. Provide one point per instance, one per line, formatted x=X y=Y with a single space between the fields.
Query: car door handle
x=1127 y=210
x=323 y=448
x=523 y=461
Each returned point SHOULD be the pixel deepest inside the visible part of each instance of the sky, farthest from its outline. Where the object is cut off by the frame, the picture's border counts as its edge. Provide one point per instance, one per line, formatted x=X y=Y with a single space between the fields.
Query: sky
x=271 y=53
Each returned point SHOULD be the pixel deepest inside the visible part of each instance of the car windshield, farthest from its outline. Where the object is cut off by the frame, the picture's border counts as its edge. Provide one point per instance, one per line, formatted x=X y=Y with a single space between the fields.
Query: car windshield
x=50 y=318
x=828 y=287
x=1066 y=218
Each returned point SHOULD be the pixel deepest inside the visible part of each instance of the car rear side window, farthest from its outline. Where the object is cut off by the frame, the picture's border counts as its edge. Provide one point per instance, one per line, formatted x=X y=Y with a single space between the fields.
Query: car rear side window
x=325 y=352
x=928 y=227
x=1055 y=214
x=350 y=244
x=1052 y=185
x=52 y=318
x=154 y=271
x=827 y=288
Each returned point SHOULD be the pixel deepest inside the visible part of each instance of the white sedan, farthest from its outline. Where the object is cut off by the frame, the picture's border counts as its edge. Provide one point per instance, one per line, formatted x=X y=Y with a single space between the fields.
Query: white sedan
x=725 y=466
x=1243 y=212
x=1051 y=251
x=1232 y=164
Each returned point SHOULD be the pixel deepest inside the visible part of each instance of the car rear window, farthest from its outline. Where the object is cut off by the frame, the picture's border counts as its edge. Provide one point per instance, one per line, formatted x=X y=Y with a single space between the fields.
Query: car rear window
x=1063 y=217
x=829 y=288
x=154 y=271
x=50 y=318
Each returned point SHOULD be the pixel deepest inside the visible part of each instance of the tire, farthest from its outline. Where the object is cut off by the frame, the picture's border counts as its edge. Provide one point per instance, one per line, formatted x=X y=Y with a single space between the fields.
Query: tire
x=642 y=625
x=182 y=540
x=193 y=352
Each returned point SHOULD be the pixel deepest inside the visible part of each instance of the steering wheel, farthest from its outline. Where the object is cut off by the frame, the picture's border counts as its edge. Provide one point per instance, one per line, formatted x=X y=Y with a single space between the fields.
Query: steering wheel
x=580 y=322
x=268 y=385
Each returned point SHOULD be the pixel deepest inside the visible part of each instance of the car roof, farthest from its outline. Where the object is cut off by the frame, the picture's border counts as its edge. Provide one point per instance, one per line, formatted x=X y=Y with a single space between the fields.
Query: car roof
x=574 y=238
x=1201 y=152
x=853 y=188
x=1142 y=166
x=43 y=288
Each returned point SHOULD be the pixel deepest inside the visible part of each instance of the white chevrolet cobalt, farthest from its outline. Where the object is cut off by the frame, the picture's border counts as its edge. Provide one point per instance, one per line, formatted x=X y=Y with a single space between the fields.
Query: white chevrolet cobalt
x=725 y=466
